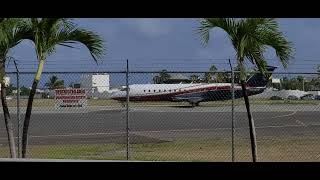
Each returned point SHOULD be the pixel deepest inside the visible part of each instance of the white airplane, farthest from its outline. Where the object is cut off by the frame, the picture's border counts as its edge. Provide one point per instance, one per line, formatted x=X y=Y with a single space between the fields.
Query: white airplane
x=194 y=93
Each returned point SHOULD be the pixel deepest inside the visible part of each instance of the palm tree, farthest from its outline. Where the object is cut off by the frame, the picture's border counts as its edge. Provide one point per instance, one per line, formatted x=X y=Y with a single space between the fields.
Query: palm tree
x=222 y=77
x=12 y=32
x=250 y=37
x=194 y=78
x=54 y=83
x=209 y=75
x=162 y=77
x=47 y=34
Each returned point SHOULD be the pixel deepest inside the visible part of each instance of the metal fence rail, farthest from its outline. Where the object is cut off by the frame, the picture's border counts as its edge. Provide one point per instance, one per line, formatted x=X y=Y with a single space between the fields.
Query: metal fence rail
x=121 y=119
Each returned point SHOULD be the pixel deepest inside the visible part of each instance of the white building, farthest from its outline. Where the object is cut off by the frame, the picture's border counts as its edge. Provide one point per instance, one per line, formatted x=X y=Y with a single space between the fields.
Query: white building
x=95 y=83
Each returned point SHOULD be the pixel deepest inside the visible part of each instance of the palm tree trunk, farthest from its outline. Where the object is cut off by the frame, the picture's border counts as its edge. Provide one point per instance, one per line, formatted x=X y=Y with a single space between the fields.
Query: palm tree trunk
x=29 y=108
x=6 y=114
x=251 y=122
x=8 y=122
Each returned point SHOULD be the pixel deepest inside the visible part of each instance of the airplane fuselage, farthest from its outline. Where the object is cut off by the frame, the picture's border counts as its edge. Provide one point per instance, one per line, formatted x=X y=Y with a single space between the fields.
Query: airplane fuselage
x=183 y=92
x=194 y=93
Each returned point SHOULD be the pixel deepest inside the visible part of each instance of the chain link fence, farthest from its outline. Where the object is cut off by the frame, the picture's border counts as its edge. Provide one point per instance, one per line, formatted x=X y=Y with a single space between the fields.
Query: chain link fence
x=167 y=116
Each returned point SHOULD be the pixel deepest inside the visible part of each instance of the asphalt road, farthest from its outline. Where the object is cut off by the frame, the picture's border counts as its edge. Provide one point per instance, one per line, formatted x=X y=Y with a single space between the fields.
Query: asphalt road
x=159 y=124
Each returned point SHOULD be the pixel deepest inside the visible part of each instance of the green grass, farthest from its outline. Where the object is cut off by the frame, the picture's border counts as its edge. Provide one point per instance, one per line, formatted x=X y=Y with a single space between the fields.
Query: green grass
x=184 y=150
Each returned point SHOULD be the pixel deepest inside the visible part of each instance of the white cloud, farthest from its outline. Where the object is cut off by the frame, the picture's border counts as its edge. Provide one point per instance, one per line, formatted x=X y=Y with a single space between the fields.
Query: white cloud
x=153 y=27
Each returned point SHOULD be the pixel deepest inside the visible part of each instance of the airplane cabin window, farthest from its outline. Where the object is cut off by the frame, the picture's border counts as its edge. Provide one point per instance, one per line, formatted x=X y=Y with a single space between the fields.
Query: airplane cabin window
x=169 y=90
x=159 y=90
x=144 y=90
x=149 y=90
x=154 y=90
x=164 y=90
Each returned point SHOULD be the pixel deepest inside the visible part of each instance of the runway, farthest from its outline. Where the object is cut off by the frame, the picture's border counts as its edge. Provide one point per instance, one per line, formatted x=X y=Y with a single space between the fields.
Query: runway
x=161 y=124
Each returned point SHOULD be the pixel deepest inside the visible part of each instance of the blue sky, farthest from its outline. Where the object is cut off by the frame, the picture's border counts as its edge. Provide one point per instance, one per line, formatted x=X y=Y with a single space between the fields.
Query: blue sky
x=172 y=44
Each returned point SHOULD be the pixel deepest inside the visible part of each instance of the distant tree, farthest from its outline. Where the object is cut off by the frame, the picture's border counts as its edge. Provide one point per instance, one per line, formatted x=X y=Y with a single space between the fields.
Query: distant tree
x=54 y=83
x=24 y=91
x=300 y=78
x=208 y=76
x=162 y=77
x=156 y=79
x=284 y=82
x=314 y=84
x=10 y=89
x=298 y=83
x=318 y=71
x=195 y=78
x=223 y=77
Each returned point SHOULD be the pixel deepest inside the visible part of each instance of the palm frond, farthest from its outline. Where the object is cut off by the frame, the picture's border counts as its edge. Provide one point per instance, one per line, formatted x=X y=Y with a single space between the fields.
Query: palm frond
x=276 y=40
x=265 y=31
x=12 y=32
x=66 y=45
x=91 y=40
x=50 y=32
x=227 y=24
x=257 y=58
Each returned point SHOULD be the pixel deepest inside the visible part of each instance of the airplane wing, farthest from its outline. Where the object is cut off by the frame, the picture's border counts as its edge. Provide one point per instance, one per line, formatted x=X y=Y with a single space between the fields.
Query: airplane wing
x=195 y=98
x=192 y=98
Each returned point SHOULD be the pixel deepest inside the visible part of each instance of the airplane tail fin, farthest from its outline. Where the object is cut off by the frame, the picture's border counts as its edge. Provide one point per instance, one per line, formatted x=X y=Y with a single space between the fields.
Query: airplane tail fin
x=260 y=80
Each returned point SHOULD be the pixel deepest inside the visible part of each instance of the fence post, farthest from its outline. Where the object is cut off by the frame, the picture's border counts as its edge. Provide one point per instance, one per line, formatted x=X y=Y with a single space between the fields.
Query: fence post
x=127 y=112
x=232 y=113
x=18 y=109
